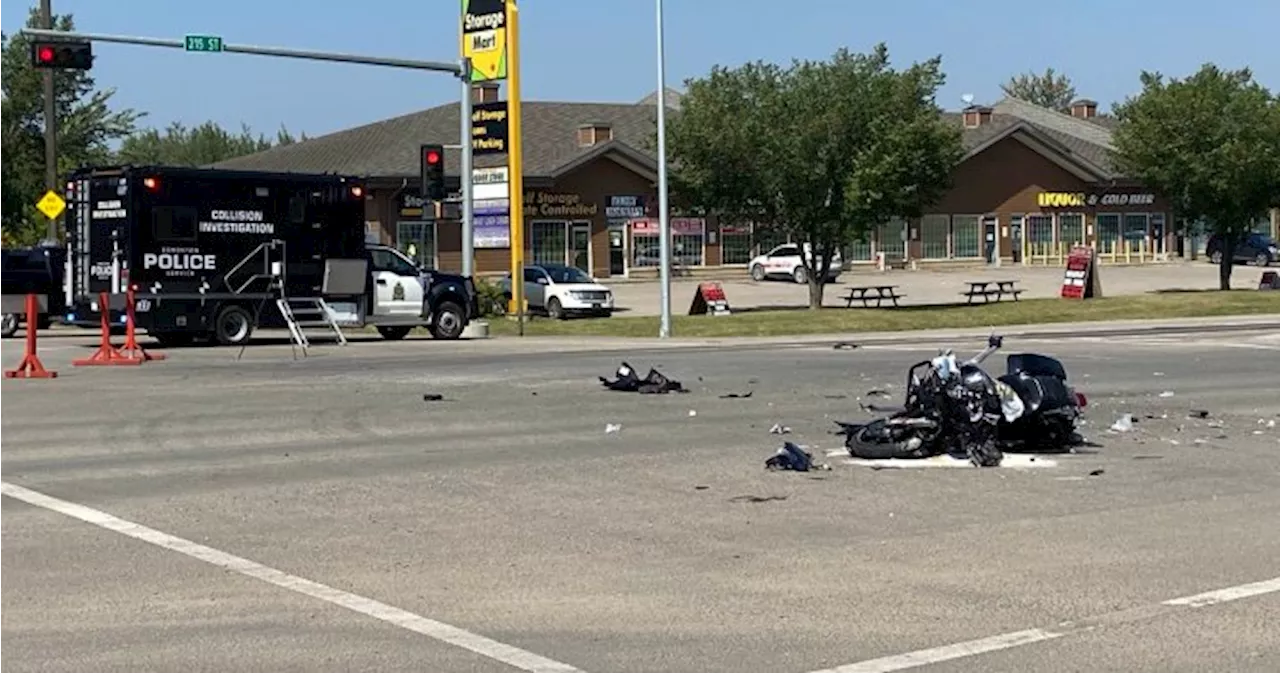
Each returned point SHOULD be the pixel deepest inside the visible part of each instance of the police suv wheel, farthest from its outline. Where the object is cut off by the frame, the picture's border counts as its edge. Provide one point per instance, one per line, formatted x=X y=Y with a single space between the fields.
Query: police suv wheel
x=233 y=326
x=449 y=321
x=800 y=275
x=9 y=325
x=757 y=273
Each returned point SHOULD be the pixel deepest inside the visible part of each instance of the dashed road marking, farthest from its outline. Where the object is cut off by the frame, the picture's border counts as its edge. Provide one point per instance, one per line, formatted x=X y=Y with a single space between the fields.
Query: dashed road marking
x=507 y=654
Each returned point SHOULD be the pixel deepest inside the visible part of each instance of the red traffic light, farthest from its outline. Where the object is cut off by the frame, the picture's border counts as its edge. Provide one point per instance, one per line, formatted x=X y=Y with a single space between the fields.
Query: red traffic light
x=62 y=55
x=433 y=157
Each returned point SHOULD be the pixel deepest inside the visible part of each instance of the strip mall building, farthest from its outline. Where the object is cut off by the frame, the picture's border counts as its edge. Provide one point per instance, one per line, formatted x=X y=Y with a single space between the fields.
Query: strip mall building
x=1033 y=183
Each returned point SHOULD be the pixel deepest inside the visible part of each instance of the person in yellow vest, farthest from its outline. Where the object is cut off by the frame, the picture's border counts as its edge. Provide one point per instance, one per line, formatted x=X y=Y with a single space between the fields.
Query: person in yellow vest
x=412 y=252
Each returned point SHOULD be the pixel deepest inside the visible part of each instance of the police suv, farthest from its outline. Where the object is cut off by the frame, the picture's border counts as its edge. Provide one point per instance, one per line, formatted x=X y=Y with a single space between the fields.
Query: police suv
x=215 y=254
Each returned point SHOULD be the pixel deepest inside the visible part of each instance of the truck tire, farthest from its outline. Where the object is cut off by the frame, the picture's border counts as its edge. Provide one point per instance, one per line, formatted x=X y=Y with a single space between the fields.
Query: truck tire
x=9 y=325
x=233 y=326
x=449 y=321
x=393 y=332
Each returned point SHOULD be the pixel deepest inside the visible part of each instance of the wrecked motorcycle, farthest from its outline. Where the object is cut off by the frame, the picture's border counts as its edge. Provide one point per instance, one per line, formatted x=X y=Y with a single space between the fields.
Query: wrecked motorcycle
x=962 y=411
x=654 y=383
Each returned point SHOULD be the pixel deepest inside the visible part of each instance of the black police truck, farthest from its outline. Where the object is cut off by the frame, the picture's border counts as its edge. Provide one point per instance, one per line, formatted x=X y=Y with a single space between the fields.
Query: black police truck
x=212 y=254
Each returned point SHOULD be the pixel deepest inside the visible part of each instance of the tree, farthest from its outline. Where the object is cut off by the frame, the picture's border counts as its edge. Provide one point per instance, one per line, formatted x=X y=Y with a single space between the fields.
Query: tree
x=86 y=125
x=820 y=151
x=1049 y=89
x=1210 y=144
x=198 y=146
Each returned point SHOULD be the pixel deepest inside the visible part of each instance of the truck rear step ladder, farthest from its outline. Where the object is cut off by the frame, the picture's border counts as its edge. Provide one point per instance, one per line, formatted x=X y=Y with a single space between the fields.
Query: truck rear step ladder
x=303 y=312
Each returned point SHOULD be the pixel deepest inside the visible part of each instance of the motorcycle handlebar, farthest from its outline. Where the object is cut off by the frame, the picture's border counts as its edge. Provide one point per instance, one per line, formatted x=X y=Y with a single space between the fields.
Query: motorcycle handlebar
x=993 y=344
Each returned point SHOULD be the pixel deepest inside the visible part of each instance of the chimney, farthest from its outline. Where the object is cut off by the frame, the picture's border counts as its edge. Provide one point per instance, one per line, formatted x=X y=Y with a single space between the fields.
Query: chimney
x=594 y=133
x=485 y=92
x=1084 y=109
x=976 y=115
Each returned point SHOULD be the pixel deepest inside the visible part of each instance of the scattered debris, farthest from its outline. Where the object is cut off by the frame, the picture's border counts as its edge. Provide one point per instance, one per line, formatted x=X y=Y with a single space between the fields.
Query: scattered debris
x=737 y=396
x=757 y=498
x=779 y=429
x=877 y=391
x=692 y=413
x=845 y=346
x=1097 y=473
x=1157 y=373
x=1148 y=457
x=701 y=487
x=654 y=383
x=433 y=397
x=1167 y=393
x=836 y=397
x=1198 y=413
x=1123 y=424
x=792 y=457
x=612 y=428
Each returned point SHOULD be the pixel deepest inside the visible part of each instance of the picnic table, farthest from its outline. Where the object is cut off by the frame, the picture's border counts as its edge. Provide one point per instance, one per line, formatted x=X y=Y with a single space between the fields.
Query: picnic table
x=984 y=289
x=866 y=293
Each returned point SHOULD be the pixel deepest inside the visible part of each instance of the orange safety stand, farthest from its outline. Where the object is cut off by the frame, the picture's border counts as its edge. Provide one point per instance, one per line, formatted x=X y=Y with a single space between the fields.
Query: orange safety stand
x=106 y=353
x=131 y=349
x=31 y=367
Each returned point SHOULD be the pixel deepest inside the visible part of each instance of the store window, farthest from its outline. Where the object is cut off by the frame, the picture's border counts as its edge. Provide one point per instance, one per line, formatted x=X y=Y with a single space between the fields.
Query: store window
x=933 y=236
x=688 y=242
x=1108 y=232
x=735 y=245
x=891 y=239
x=1071 y=229
x=1135 y=227
x=859 y=250
x=966 y=236
x=547 y=243
x=417 y=240
x=1040 y=229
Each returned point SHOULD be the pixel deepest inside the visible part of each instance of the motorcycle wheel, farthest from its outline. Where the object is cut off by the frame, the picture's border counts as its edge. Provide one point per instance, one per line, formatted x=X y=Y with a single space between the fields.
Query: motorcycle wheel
x=873 y=441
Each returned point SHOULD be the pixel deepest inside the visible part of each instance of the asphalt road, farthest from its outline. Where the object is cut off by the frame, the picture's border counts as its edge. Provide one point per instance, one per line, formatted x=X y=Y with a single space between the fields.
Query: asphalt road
x=506 y=511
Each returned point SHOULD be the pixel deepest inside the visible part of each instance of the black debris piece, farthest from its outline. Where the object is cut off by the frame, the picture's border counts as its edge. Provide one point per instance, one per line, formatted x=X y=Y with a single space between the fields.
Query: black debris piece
x=752 y=382
x=877 y=391
x=757 y=498
x=836 y=397
x=845 y=346
x=1199 y=413
x=1097 y=473
x=433 y=397
x=790 y=457
x=737 y=396
x=700 y=487
x=654 y=383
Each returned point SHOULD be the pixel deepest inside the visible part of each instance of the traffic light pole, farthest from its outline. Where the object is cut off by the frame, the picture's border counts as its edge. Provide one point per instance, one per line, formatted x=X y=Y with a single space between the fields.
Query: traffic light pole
x=468 y=214
x=50 y=122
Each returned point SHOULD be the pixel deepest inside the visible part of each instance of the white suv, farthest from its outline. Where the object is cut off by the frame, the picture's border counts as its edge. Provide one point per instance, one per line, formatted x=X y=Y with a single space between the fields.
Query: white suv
x=785 y=260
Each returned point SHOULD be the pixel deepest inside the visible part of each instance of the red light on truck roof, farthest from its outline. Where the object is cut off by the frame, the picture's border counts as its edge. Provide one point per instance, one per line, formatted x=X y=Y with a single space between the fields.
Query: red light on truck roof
x=151 y=183
x=357 y=191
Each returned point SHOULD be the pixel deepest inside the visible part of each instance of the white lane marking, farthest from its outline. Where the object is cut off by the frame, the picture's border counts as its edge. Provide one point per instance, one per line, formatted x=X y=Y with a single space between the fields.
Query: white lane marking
x=512 y=656
x=946 y=652
x=1228 y=594
x=1011 y=460
x=934 y=655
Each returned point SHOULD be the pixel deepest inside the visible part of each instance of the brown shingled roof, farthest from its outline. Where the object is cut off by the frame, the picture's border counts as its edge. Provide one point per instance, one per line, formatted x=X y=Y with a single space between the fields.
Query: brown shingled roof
x=389 y=148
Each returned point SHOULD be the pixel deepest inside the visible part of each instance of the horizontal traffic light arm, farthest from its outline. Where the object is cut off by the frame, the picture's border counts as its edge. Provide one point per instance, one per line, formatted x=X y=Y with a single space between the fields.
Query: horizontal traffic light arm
x=457 y=69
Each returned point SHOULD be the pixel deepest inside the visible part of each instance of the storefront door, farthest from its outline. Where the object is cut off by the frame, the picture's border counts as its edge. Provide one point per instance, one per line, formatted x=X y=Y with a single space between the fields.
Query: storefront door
x=618 y=250
x=580 y=246
x=991 y=239
x=1015 y=238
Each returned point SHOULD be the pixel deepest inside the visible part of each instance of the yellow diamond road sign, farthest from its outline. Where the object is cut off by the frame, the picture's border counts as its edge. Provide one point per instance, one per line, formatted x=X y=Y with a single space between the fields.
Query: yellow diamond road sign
x=51 y=205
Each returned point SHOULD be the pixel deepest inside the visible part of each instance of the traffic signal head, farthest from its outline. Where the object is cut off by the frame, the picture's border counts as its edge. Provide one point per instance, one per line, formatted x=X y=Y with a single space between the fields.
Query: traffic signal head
x=433 y=172
x=62 y=54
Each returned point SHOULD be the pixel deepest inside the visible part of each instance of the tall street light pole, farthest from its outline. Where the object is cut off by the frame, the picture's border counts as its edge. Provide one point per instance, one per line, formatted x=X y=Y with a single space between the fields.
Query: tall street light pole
x=50 y=122
x=664 y=218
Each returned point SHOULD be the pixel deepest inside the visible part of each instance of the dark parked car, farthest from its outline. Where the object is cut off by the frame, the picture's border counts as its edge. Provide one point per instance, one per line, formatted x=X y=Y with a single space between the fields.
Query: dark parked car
x=39 y=270
x=1257 y=248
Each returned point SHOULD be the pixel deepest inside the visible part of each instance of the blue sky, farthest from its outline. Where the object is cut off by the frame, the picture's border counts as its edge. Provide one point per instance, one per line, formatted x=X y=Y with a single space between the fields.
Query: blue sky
x=603 y=50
